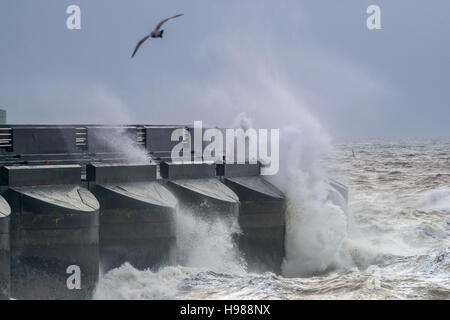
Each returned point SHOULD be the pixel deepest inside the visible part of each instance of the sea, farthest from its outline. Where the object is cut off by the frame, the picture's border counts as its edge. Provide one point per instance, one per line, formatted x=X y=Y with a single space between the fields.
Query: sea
x=391 y=240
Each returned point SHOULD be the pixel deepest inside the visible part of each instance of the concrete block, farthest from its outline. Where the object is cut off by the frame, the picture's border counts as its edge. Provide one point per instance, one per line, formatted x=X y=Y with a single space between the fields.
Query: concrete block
x=238 y=169
x=17 y=176
x=187 y=170
x=52 y=228
x=103 y=173
x=137 y=224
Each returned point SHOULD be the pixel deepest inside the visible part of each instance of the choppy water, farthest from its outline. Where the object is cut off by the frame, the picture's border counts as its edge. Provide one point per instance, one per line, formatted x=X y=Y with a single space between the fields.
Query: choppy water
x=394 y=244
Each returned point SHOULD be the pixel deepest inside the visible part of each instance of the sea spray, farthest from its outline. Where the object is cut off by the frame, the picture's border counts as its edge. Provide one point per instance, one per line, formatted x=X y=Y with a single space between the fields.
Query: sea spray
x=315 y=226
x=104 y=103
x=121 y=141
x=208 y=242
x=204 y=244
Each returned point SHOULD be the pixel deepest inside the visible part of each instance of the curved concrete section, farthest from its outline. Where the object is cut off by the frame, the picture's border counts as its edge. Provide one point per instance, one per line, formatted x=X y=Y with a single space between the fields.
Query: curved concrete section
x=205 y=196
x=208 y=199
x=54 y=242
x=4 y=250
x=262 y=220
x=137 y=224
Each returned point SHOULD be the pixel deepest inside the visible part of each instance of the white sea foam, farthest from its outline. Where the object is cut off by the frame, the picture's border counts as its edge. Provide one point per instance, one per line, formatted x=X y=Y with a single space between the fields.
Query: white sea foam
x=436 y=199
x=207 y=242
x=126 y=282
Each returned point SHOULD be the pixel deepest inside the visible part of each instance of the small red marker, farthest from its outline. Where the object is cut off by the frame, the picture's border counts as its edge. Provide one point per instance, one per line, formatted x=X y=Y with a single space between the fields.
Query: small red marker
x=46 y=162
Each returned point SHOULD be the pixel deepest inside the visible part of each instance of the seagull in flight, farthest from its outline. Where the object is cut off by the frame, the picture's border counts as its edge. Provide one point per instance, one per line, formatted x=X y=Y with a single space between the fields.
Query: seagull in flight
x=156 y=33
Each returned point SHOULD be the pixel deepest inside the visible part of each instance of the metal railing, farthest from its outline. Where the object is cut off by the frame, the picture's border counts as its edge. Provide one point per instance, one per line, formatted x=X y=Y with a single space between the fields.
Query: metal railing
x=141 y=136
x=6 y=139
x=81 y=138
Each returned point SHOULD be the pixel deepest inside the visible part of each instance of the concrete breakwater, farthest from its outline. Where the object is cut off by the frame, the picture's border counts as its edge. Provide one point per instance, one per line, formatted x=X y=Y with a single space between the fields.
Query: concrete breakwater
x=73 y=200
x=5 y=212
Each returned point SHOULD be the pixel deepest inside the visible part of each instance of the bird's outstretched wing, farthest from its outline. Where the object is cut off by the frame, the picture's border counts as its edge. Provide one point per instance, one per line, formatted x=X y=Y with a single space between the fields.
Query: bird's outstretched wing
x=139 y=44
x=165 y=20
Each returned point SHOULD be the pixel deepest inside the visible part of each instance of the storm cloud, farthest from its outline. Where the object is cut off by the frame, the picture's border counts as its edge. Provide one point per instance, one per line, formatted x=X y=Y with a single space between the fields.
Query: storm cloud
x=276 y=61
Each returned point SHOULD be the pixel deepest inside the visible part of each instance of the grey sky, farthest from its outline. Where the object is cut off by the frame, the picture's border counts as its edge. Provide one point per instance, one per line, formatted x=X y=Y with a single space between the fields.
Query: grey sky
x=280 y=62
